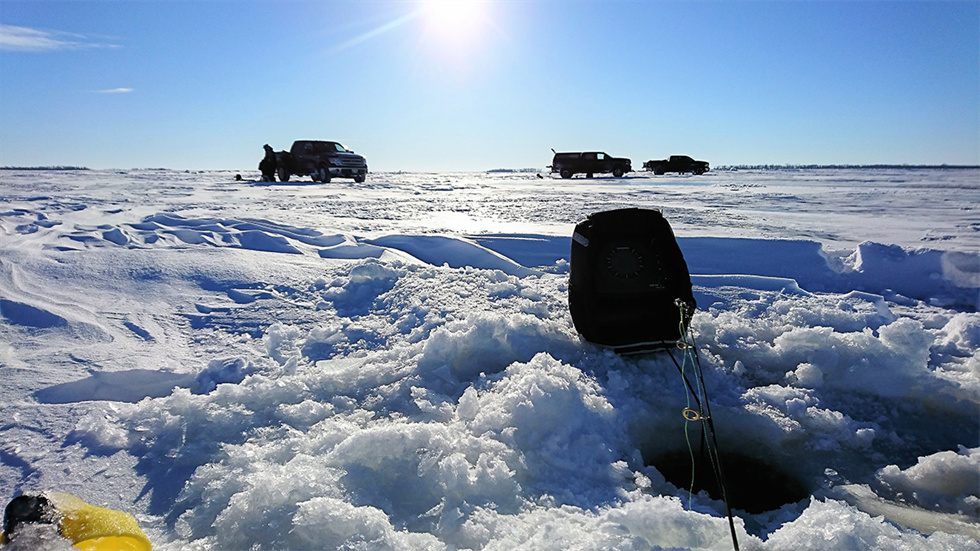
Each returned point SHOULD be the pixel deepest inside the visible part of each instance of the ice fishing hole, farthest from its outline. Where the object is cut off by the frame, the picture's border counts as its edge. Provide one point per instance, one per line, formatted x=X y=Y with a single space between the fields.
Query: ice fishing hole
x=752 y=485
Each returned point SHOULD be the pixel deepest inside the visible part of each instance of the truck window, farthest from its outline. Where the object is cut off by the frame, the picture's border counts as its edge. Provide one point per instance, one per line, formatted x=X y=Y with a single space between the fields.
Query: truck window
x=601 y=156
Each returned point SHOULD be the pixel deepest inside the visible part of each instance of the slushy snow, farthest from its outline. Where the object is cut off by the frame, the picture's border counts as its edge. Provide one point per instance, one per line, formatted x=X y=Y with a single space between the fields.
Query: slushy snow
x=392 y=365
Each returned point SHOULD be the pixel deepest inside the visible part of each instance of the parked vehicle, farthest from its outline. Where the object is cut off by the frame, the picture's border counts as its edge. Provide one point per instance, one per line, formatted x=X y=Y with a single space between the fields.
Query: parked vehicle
x=321 y=161
x=677 y=163
x=589 y=163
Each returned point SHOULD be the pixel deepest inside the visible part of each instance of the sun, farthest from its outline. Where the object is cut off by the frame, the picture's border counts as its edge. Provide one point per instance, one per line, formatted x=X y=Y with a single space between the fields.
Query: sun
x=453 y=18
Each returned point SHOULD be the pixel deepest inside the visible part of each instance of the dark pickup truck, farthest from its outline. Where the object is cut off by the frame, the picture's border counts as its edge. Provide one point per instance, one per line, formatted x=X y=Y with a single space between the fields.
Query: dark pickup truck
x=589 y=163
x=677 y=163
x=321 y=161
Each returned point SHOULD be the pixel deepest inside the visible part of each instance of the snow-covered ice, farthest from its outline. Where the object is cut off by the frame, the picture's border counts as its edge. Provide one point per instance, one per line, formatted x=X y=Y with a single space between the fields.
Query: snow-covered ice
x=392 y=365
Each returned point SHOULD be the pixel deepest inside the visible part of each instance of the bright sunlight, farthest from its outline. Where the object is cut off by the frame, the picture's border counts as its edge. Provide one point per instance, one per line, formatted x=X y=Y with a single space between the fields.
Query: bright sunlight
x=454 y=18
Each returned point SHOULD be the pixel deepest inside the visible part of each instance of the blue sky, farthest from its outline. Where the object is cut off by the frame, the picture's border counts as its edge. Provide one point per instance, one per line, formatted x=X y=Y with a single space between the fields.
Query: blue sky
x=203 y=85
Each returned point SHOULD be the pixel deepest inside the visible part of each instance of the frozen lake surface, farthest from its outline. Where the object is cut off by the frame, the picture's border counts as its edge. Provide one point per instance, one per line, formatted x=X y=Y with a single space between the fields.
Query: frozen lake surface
x=392 y=365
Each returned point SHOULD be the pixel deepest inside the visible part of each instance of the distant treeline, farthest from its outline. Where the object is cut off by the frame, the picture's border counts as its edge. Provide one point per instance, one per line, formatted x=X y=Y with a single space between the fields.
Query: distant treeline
x=43 y=168
x=788 y=167
x=801 y=167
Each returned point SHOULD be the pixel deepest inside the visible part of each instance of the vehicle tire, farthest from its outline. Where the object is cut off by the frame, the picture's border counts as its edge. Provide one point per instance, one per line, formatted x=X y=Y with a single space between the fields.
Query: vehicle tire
x=698 y=171
x=360 y=179
x=588 y=174
x=618 y=172
x=565 y=173
x=658 y=172
x=283 y=174
x=322 y=175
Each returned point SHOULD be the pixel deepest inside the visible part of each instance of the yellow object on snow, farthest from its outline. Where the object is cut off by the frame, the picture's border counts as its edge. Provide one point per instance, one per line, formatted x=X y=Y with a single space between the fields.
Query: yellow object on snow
x=92 y=528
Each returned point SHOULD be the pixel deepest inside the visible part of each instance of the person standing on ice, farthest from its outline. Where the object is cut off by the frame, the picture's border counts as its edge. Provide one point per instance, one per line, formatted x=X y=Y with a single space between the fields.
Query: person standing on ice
x=268 y=164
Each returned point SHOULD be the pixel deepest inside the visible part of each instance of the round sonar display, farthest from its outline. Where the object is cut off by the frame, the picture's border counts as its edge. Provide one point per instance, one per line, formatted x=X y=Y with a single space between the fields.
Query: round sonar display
x=624 y=262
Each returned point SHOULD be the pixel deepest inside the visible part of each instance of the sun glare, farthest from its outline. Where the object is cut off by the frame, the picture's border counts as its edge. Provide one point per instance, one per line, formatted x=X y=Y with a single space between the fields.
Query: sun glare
x=453 y=18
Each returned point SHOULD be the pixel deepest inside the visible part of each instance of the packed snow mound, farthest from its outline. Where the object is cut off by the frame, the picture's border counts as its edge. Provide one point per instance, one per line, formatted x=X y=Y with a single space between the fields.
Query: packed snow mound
x=291 y=367
x=438 y=399
x=940 y=481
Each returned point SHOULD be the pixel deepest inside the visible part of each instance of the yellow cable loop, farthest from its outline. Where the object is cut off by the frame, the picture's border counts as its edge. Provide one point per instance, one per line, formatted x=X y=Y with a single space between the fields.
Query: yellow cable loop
x=690 y=415
x=683 y=345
